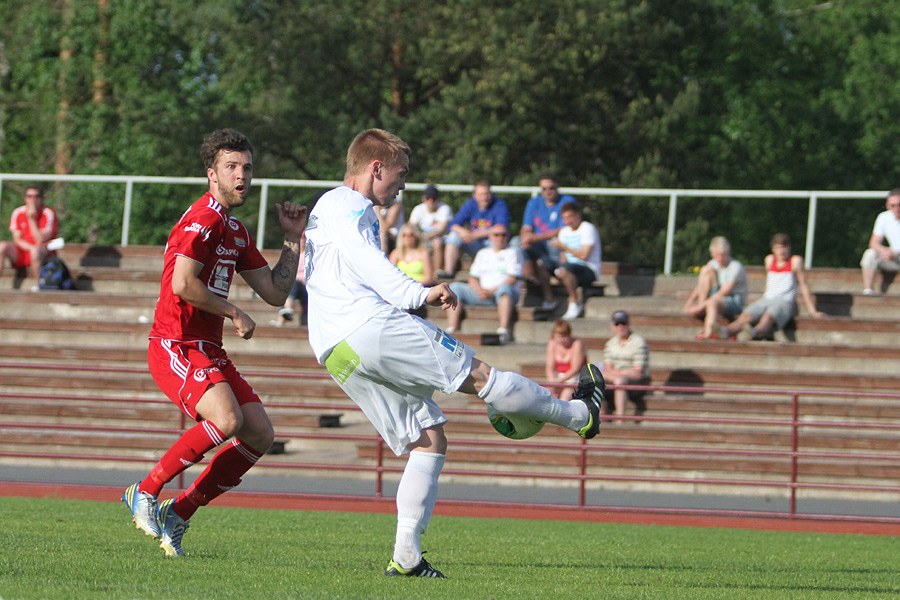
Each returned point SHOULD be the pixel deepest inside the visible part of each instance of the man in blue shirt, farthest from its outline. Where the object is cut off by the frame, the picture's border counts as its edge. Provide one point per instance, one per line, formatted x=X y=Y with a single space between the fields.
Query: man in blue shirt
x=542 y=223
x=470 y=228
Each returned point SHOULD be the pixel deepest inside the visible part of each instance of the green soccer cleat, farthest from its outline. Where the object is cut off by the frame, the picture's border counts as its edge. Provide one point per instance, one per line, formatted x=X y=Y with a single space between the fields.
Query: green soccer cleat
x=143 y=509
x=591 y=389
x=172 y=527
x=423 y=569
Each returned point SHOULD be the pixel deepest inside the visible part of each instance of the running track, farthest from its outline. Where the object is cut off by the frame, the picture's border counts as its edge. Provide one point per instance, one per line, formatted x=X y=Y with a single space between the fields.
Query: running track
x=469 y=509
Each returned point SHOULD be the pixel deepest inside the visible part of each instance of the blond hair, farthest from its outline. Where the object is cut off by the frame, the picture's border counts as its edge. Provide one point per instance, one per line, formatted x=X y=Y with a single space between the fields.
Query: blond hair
x=720 y=243
x=374 y=144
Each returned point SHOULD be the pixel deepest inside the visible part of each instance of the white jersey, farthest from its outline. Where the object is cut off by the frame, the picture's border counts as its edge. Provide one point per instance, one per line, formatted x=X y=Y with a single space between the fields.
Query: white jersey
x=348 y=278
x=585 y=235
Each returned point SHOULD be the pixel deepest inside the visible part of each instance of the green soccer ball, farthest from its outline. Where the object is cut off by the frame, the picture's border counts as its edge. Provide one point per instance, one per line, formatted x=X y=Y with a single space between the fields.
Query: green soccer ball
x=515 y=428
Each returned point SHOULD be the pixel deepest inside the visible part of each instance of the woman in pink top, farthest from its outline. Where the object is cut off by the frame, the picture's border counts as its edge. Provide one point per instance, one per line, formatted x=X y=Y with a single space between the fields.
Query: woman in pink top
x=565 y=358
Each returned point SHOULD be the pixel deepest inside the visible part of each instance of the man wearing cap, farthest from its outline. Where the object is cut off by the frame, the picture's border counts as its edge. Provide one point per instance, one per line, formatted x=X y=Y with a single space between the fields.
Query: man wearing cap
x=626 y=361
x=433 y=218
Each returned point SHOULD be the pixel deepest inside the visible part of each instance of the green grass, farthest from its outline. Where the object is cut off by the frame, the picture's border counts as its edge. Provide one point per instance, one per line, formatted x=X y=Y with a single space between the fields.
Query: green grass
x=58 y=549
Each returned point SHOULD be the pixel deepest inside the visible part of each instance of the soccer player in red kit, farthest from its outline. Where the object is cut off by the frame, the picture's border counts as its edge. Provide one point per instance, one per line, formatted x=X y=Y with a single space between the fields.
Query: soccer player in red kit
x=204 y=251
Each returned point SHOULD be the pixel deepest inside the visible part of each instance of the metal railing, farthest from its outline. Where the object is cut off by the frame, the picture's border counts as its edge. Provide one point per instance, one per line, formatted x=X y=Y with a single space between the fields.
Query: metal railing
x=673 y=195
x=587 y=465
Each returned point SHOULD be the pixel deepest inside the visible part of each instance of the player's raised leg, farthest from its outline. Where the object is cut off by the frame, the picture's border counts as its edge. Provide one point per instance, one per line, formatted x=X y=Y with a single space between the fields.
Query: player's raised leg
x=512 y=394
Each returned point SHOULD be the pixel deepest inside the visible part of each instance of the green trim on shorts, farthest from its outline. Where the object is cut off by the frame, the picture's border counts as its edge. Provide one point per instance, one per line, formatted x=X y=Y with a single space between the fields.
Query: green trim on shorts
x=342 y=361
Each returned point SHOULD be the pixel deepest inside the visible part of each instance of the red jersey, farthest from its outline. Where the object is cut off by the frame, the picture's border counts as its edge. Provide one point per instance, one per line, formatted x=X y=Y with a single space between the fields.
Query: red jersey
x=46 y=222
x=224 y=247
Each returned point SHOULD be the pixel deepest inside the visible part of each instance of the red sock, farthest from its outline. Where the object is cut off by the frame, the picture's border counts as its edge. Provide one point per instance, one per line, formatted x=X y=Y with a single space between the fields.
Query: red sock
x=222 y=474
x=190 y=448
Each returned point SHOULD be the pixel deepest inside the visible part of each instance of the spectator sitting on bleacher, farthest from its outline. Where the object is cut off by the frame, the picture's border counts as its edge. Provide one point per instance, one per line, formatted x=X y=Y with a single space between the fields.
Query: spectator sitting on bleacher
x=411 y=255
x=877 y=256
x=470 y=229
x=494 y=280
x=541 y=223
x=433 y=219
x=785 y=274
x=626 y=361
x=721 y=289
x=33 y=226
x=565 y=358
x=580 y=264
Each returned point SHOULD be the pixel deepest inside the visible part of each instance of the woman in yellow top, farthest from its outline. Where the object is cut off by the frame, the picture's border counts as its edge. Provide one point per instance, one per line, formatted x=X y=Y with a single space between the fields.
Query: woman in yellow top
x=411 y=255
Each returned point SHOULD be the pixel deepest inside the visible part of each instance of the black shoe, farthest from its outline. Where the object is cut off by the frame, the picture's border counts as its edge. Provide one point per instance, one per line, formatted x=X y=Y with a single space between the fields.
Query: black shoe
x=423 y=569
x=591 y=389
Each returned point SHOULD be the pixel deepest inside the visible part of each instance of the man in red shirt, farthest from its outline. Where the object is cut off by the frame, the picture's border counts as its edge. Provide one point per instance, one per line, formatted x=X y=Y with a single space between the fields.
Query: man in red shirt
x=204 y=251
x=32 y=226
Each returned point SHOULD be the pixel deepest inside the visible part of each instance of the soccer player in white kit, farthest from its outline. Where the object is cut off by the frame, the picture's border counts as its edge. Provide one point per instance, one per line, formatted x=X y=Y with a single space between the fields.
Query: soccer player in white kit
x=390 y=362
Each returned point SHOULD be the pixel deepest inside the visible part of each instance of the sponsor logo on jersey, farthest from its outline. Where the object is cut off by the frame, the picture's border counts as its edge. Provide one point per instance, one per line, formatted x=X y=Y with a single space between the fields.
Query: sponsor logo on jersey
x=312 y=223
x=223 y=251
x=353 y=215
x=448 y=343
x=193 y=228
x=240 y=242
x=200 y=374
x=233 y=224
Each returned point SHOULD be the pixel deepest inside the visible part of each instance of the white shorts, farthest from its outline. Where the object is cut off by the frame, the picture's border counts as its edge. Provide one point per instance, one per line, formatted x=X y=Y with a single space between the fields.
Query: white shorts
x=391 y=366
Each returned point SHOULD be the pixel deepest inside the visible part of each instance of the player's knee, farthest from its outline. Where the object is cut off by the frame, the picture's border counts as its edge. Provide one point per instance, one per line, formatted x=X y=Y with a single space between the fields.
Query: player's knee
x=229 y=423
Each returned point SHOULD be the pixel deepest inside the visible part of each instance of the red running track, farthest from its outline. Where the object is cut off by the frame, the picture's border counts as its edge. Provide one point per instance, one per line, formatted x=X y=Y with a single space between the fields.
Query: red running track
x=469 y=509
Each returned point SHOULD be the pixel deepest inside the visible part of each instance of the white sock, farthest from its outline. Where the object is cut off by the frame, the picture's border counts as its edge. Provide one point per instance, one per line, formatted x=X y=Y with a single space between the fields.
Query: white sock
x=416 y=496
x=513 y=394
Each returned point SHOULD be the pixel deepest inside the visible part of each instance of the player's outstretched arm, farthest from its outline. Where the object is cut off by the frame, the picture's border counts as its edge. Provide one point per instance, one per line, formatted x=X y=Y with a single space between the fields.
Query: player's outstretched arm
x=441 y=295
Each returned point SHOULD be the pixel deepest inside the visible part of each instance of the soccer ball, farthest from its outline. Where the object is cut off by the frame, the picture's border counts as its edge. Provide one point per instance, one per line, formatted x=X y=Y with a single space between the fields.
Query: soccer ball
x=515 y=428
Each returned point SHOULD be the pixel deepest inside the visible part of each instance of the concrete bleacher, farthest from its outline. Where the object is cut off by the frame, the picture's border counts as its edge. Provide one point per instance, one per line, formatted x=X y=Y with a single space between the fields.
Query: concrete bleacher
x=105 y=324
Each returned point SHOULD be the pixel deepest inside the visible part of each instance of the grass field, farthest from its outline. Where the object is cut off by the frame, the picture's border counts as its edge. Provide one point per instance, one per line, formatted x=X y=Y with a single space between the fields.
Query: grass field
x=72 y=549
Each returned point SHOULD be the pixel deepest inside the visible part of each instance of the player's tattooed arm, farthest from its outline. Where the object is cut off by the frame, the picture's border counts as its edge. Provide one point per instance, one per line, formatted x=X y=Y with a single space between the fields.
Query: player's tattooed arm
x=285 y=271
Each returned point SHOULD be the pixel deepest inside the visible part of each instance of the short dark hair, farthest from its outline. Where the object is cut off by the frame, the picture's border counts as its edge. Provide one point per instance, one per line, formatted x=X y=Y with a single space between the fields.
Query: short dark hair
x=894 y=192
x=36 y=186
x=782 y=239
x=570 y=207
x=548 y=175
x=223 y=139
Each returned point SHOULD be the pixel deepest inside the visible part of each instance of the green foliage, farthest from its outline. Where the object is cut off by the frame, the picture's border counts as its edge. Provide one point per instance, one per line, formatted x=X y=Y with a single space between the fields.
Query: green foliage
x=76 y=549
x=773 y=94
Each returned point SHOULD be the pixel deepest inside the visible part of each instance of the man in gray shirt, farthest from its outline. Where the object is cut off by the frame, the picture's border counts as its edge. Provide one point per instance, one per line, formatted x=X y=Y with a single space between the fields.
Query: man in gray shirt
x=721 y=290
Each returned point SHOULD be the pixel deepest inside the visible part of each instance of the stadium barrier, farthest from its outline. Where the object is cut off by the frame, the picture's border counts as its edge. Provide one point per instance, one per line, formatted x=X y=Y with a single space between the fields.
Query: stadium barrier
x=673 y=196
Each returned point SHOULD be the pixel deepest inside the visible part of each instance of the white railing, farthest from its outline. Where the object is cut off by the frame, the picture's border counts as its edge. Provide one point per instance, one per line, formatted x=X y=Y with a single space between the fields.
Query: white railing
x=672 y=194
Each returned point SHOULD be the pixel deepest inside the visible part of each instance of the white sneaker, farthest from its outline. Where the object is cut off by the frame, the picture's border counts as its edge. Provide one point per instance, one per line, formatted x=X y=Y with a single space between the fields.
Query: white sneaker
x=504 y=334
x=573 y=312
x=143 y=509
x=172 y=528
x=449 y=329
x=868 y=292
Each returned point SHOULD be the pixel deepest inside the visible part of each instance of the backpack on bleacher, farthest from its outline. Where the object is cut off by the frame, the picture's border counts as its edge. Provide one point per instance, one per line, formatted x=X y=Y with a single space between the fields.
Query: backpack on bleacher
x=54 y=275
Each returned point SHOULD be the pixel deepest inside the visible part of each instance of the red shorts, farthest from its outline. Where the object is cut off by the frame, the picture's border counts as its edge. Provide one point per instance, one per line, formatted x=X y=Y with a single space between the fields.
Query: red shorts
x=22 y=260
x=185 y=370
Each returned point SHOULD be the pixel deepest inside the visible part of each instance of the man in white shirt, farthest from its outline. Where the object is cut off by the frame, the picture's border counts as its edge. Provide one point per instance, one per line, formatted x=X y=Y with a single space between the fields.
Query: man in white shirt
x=881 y=257
x=494 y=280
x=433 y=218
x=579 y=265
x=390 y=362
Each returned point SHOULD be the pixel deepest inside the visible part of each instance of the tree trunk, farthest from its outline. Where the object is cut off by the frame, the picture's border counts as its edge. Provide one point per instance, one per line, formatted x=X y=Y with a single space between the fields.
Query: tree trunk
x=62 y=164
